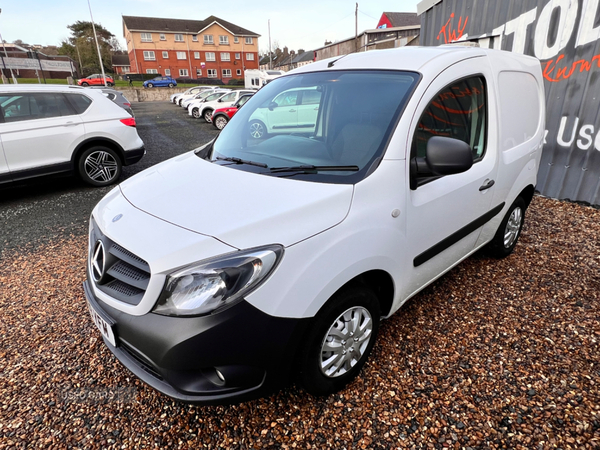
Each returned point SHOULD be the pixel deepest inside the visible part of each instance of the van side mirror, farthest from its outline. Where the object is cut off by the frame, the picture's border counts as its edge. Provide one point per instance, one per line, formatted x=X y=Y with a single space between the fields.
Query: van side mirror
x=272 y=106
x=445 y=156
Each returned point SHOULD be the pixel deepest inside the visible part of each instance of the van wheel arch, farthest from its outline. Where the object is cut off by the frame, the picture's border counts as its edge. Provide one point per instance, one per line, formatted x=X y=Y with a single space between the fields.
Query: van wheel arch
x=378 y=282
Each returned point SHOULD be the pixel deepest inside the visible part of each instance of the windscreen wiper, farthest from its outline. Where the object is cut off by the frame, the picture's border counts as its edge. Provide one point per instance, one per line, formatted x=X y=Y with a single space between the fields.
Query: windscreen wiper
x=308 y=168
x=241 y=161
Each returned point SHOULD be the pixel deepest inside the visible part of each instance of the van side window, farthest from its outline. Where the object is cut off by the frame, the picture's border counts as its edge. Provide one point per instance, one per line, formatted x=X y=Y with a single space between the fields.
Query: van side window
x=459 y=111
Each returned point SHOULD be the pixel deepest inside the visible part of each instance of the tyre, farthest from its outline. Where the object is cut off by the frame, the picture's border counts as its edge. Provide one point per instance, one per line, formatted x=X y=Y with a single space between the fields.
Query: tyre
x=196 y=113
x=220 y=121
x=508 y=233
x=257 y=129
x=85 y=84
x=99 y=166
x=207 y=114
x=150 y=85
x=179 y=101
x=110 y=84
x=170 y=85
x=340 y=340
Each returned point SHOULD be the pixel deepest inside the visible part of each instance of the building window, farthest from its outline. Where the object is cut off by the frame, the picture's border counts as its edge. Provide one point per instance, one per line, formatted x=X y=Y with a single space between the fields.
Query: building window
x=225 y=57
x=146 y=37
x=226 y=73
x=236 y=40
x=208 y=39
x=165 y=55
x=212 y=73
x=163 y=37
x=238 y=72
x=179 y=38
x=183 y=72
x=224 y=40
x=198 y=73
x=196 y=55
x=181 y=55
x=151 y=71
x=167 y=72
x=237 y=56
x=248 y=40
x=195 y=37
x=249 y=56
x=149 y=56
x=210 y=56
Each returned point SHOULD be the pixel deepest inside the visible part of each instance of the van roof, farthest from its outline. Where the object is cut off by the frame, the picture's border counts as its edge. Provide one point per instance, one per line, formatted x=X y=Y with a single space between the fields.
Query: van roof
x=418 y=59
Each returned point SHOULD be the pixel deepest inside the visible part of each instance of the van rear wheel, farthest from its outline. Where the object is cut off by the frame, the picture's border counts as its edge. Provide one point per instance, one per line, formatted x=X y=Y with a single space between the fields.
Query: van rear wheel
x=340 y=341
x=508 y=233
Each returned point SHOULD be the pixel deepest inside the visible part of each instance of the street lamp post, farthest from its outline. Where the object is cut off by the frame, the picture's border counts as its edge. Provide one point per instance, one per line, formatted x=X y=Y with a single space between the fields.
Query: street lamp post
x=97 y=45
x=6 y=55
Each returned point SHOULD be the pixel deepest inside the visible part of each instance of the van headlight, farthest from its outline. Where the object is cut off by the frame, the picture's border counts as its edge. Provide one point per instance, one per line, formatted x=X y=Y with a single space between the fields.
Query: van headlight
x=212 y=284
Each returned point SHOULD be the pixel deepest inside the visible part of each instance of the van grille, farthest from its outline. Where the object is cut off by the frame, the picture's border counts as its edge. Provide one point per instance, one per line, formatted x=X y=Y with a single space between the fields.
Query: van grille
x=126 y=276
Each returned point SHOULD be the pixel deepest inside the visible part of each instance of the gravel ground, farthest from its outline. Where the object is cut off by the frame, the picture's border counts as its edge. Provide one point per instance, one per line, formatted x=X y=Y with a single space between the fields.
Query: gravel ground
x=496 y=354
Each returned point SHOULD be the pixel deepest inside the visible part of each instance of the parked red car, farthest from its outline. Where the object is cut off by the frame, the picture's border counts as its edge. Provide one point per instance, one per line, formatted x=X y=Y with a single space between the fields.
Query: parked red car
x=221 y=116
x=95 y=80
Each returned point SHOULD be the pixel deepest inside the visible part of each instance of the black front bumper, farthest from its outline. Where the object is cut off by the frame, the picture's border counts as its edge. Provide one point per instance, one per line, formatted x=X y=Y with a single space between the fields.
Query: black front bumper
x=133 y=156
x=180 y=357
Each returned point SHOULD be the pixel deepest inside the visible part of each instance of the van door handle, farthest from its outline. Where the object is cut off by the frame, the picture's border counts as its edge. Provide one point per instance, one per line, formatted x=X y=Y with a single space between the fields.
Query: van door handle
x=487 y=184
x=292 y=110
x=70 y=124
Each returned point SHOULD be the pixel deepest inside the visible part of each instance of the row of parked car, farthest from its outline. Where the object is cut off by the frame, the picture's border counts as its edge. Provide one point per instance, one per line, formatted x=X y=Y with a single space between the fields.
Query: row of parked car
x=212 y=104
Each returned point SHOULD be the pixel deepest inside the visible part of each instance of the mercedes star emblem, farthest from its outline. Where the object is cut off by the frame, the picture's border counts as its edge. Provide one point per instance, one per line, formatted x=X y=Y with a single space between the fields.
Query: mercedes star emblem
x=98 y=261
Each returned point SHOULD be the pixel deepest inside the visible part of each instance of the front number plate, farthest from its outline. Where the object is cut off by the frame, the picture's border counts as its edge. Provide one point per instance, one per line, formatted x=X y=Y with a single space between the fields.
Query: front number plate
x=105 y=328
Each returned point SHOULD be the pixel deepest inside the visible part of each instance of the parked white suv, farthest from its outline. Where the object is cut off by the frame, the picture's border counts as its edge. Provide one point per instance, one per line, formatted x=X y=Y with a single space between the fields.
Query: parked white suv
x=53 y=129
x=418 y=158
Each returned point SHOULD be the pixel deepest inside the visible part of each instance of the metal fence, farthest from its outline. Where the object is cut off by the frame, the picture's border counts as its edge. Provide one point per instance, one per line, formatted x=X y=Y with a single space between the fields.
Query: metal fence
x=565 y=36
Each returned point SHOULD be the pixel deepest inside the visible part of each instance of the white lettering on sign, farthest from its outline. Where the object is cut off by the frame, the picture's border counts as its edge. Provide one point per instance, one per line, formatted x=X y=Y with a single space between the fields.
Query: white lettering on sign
x=587 y=33
x=567 y=17
x=585 y=133
x=566 y=23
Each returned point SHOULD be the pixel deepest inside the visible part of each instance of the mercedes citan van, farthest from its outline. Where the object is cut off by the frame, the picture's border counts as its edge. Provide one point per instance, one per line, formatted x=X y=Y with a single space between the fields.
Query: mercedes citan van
x=339 y=191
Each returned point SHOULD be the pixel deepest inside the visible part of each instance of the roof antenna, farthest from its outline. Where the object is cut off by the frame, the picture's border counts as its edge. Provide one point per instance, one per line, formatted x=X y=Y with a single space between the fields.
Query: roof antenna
x=331 y=63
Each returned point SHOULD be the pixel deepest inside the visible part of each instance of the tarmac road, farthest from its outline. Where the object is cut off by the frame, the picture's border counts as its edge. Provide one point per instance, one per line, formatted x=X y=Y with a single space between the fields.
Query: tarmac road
x=40 y=210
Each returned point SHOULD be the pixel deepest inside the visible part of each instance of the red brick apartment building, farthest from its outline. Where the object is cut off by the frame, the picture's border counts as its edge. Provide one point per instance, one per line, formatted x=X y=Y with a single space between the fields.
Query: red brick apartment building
x=210 y=48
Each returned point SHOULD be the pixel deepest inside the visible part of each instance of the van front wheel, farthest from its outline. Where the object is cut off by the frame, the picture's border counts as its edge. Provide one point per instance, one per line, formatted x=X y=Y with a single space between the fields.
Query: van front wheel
x=508 y=233
x=340 y=341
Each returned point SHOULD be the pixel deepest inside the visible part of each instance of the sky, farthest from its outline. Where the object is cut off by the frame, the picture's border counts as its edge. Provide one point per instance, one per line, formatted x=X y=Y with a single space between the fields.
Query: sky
x=304 y=24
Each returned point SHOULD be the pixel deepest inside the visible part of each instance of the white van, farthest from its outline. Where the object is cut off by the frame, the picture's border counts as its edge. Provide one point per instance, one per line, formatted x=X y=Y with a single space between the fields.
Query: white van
x=223 y=273
x=255 y=79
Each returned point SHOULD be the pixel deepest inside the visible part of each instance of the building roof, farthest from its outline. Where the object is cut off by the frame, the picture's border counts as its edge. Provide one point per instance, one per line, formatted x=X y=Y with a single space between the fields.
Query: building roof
x=398 y=19
x=163 y=25
x=303 y=57
x=120 y=60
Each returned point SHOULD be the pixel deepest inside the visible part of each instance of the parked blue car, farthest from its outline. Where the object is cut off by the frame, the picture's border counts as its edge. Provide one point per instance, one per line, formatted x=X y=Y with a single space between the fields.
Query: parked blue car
x=160 y=82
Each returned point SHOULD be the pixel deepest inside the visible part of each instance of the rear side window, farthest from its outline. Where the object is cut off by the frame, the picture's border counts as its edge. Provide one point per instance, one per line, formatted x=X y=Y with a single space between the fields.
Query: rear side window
x=80 y=102
x=459 y=111
x=21 y=107
x=311 y=97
